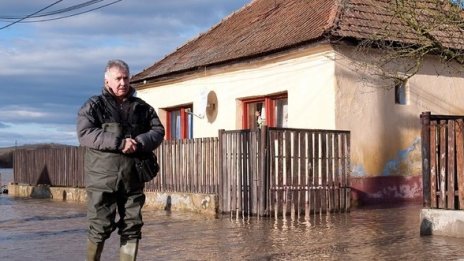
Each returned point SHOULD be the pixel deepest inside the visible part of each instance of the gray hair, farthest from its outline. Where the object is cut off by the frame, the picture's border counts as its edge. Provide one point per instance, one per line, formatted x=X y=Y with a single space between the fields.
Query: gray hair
x=118 y=64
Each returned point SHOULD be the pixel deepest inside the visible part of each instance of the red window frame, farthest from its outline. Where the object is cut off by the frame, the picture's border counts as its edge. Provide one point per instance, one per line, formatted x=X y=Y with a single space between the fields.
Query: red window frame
x=269 y=104
x=184 y=122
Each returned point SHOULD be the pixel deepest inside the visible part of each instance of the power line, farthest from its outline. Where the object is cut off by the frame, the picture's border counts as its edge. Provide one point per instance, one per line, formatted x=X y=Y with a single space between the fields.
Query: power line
x=60 y=11
x=71 y=15
x=70 y=8
x=19 y=20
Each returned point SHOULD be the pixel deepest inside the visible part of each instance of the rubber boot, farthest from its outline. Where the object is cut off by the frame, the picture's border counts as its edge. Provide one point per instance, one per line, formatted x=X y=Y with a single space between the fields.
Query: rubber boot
x=94 y=250
x=128 y=251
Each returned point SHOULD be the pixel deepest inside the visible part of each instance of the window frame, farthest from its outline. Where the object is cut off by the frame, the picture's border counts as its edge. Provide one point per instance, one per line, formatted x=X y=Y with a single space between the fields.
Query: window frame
x=401 y=93
x=268 y=101
x=186 y=126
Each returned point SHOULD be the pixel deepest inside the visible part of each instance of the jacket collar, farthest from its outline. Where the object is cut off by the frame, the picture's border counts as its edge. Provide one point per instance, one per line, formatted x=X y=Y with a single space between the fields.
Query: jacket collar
x=109 y=93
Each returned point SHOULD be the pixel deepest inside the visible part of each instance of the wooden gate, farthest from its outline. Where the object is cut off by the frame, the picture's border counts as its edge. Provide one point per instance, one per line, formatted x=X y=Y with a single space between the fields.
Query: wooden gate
x=242 y=162
x=309 y=171
x=276 y=171
x=443 y=161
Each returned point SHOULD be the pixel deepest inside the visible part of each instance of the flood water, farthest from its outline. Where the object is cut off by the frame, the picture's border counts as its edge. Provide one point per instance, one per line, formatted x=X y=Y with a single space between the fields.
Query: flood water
x=32 y=229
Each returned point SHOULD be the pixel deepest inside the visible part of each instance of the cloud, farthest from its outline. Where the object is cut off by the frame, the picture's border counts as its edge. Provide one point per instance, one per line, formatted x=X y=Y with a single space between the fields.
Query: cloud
x=30 y=133
x=23 y=113
x=46 y=113
x=139 y=31
x=49 y=69
x=14 y=112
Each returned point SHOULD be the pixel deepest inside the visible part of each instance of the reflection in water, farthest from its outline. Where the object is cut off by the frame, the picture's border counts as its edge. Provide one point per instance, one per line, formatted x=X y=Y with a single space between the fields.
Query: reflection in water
x=49 y=230
x=6 y=176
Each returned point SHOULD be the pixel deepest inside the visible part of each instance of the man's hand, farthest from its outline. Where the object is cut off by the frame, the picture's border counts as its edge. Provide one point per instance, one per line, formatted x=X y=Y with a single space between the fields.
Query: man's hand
x=130 y=146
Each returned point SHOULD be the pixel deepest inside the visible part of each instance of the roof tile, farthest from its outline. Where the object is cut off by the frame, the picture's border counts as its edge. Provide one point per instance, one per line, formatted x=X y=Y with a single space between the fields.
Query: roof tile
x=265 y=26
x=259 y=27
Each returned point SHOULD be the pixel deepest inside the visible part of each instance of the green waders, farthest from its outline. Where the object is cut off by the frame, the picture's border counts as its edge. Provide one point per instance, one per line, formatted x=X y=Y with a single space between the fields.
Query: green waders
x=115 y=189
x=128 y=251
x=94 y=251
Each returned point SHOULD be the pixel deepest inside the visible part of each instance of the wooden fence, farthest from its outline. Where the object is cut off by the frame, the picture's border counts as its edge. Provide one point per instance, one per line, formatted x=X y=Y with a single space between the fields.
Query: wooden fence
x=187 y=166
x=59 y=167
x=443 y=161
x=277 y=171
x=254 y=172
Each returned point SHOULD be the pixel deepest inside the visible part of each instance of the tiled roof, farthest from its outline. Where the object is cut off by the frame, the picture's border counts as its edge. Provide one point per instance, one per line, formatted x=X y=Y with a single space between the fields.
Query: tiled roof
x=266 y=26
x=370 y=19
x=259 y=27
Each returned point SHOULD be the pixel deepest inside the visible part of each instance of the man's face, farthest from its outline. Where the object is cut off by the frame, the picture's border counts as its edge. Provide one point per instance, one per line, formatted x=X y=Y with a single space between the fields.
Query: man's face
x=117 y=81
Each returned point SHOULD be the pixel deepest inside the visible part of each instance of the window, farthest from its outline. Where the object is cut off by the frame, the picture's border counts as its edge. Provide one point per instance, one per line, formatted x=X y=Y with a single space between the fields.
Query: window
x=179 y=123
x=269 y=110
x=401 y=94
x=281 y=113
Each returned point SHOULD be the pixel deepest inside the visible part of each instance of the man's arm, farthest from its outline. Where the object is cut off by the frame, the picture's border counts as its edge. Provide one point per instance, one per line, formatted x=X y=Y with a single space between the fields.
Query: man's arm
x=90 y=132
x=151 y=139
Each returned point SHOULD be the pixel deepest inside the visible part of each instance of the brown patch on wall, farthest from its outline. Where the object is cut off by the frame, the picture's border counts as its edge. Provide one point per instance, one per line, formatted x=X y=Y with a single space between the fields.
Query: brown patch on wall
x=386 y=190
x=398 y=157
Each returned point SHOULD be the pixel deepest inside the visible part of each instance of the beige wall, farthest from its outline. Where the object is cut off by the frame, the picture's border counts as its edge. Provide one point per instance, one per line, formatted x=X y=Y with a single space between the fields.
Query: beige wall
x=327 y=89
x=386 y=136
x=306 y=75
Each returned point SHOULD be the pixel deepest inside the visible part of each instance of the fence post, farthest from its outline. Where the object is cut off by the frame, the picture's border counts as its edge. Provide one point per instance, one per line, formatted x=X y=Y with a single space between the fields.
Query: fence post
x=263 y=176
x=425 y=141
x=221 y=171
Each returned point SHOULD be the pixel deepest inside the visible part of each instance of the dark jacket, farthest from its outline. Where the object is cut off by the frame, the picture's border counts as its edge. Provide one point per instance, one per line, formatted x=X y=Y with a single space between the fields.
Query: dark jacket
x=102 y=125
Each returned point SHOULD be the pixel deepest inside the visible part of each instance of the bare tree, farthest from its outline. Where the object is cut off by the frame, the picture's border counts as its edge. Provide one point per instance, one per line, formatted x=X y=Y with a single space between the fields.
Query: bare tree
x=407 y=31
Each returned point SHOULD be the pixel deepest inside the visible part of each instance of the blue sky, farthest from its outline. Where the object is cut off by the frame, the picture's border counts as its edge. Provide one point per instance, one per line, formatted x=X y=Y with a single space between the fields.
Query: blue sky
x=49 y=69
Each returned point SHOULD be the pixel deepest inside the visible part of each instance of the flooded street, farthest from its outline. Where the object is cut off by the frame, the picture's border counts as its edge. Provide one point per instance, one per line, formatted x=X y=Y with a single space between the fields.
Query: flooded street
x=32 y=229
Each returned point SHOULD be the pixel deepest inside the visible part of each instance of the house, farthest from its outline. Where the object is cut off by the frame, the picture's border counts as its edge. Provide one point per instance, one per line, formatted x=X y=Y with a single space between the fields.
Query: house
x=297 y=64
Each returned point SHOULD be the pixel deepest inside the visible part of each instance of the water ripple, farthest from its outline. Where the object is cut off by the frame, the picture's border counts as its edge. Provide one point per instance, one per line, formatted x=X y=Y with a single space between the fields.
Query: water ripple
x=38 y=230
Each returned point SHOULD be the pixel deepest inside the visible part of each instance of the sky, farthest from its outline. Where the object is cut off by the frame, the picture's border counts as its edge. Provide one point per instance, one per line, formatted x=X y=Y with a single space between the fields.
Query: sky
x=52 y=58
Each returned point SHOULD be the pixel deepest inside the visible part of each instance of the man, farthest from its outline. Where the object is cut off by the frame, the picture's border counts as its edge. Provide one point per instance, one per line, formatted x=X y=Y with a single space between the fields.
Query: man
x=114 y=127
